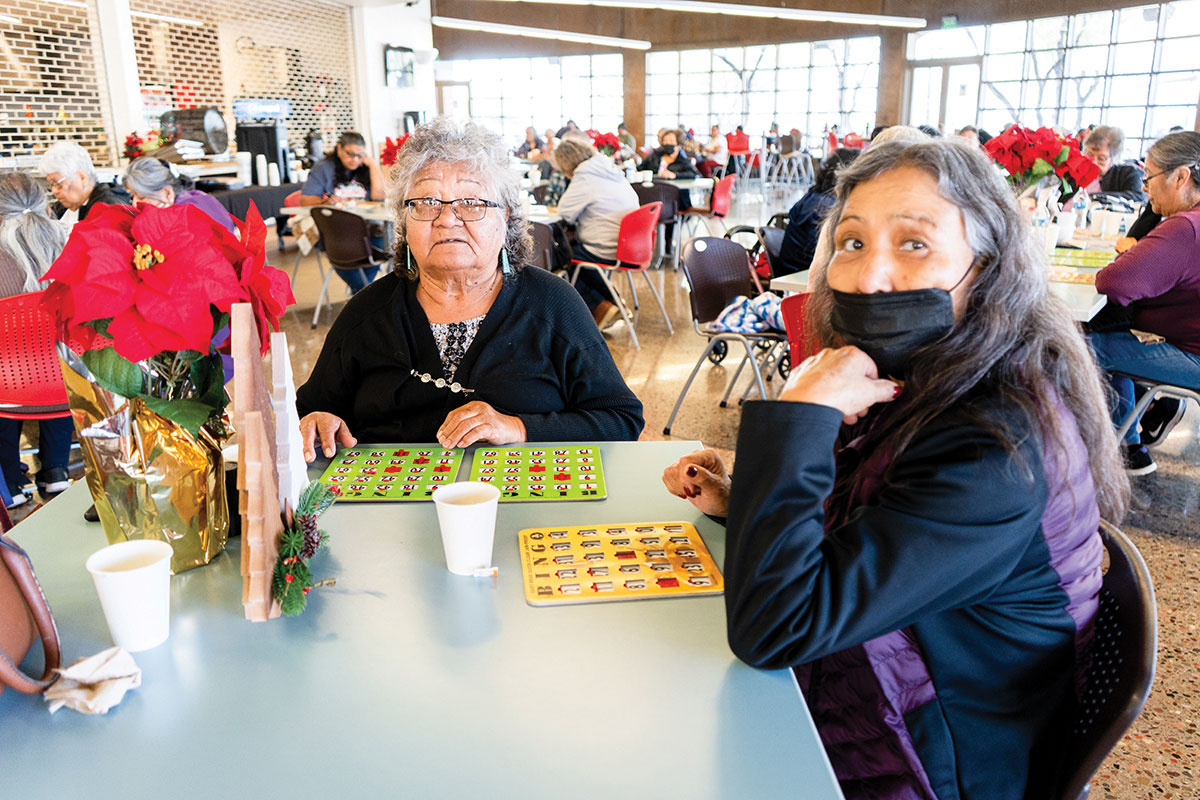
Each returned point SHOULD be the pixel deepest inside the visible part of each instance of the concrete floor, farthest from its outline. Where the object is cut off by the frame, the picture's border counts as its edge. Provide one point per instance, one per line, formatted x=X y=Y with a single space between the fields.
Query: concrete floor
x=1159 y=756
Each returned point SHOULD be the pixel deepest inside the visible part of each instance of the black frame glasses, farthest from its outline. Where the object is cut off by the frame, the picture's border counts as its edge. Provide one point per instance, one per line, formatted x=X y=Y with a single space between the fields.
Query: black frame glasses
x=1147 y=178
x=467 y=209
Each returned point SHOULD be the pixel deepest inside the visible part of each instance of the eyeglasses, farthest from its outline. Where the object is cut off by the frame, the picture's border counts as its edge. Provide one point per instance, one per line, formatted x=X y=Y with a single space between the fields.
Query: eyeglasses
x=467 y=209
x=1146 y=180
x=58 y=183
x=354 y=153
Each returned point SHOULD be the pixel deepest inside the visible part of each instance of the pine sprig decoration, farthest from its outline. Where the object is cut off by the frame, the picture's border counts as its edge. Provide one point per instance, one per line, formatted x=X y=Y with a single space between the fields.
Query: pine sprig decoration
x=299 y=542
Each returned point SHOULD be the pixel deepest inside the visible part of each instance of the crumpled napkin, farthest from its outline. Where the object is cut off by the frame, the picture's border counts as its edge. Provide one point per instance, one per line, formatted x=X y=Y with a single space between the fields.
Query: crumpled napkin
x=95 y=684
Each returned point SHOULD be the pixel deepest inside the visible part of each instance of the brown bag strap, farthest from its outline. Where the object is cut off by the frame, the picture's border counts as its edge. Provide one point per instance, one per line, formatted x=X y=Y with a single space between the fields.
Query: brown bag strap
x=18 y=563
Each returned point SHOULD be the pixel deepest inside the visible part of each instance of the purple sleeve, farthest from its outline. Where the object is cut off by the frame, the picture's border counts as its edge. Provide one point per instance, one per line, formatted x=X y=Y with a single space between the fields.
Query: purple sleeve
x=1153 y=266
x=209 y=205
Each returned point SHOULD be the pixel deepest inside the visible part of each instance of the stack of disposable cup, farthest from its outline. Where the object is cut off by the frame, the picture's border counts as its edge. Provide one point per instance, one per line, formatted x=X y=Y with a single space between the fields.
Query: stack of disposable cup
x=243 y=166
x=467 y=516
x=273 y=174
x=260 y=169
x=133 y=581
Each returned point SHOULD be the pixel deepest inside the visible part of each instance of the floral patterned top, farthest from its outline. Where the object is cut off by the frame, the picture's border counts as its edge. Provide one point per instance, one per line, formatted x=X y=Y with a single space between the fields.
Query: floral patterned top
x=453 y=339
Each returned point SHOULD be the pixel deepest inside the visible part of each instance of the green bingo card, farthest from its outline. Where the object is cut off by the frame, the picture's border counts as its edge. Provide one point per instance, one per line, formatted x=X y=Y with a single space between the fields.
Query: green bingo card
x=391 y=472
x=533 y=474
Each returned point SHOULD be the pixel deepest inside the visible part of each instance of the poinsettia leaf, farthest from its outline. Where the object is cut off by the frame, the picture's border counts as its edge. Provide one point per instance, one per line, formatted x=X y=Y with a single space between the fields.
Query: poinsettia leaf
x=208 y=376
x=1063 y=154
x=189 y=414
x=1040 y=169
x=114 y=373
x=100 y=326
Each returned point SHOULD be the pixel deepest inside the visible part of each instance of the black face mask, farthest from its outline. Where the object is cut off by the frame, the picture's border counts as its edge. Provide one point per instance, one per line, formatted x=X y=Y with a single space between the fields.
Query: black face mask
x=891 y=326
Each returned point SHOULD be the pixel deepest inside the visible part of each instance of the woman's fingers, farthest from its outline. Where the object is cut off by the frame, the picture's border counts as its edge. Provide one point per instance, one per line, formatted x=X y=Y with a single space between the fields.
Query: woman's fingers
x=479 y=422
x=308 y=434
x=843 y=378
x=329 y=429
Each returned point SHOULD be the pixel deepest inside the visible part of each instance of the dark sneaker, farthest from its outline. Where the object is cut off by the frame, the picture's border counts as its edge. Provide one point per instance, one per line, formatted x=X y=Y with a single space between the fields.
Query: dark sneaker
x=1162 y=415
x=1138 y=460
x=52 y=481
x=18 y=499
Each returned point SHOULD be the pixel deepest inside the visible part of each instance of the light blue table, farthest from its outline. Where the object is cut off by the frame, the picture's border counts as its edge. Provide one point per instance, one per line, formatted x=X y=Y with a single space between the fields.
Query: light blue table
x=407 y=681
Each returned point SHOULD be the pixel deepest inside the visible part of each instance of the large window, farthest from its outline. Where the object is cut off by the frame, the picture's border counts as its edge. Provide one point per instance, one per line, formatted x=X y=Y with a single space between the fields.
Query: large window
x=510 y=94
x=809 y=86
x=1136 y=68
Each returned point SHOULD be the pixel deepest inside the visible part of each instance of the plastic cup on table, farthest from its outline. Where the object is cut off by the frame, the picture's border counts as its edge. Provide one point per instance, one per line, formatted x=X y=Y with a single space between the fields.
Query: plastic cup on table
x=467 y=516
x=647 y=177
x=133 y=581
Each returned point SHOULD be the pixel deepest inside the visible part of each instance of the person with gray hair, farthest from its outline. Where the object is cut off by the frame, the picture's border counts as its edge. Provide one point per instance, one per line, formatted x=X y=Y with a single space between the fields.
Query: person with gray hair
x=1103 y=146
x=595 y=202
x=1157 y=281
x=68 y=168
x=152 y=181
x=463 y=343
x=914 y=523
x=29 y=242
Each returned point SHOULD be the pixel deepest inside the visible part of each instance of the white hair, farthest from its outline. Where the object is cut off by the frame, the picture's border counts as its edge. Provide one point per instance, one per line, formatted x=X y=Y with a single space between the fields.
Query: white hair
x=67 y=158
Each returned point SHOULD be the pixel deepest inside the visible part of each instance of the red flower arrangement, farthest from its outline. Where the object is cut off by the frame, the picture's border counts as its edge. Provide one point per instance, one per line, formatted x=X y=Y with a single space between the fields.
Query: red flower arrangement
x=159 y=283
x=1028 y=156
x=136 y=146
x=391 y=150
x=606 y=143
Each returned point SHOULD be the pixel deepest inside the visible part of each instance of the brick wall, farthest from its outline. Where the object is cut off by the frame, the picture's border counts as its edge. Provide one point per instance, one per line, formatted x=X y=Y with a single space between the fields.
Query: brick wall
x=51 y=80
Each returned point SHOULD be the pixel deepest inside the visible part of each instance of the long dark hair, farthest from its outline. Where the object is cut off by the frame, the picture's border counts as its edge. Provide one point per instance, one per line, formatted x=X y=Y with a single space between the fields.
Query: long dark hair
x=1014 y=341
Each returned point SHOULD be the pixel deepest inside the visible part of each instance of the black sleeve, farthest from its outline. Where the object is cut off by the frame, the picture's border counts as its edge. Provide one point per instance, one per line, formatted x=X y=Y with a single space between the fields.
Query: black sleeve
x=333 y=383
x=1145 y=223
x=953 y=520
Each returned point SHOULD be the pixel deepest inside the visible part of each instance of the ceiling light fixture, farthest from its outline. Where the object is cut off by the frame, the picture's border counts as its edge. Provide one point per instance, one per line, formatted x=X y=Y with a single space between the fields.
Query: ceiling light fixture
x=538 y=33
x=739 y=10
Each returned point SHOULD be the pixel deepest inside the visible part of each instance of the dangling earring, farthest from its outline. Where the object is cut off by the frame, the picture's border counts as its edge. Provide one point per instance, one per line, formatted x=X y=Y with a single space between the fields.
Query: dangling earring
x=408 y=265
x=504 y=267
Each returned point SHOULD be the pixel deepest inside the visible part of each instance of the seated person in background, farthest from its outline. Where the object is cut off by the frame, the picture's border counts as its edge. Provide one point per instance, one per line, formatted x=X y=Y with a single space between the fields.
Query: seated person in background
x=347 y=173
x=716 y=153
x=1103 y=146
x=460 y=344
x=29 y=242
x=597 y=200
x=533 y=147
x=1159 y=279
x=806 y=216
x=72 y=178
x=969 y=134
x=153 y=182
x=570 y=127
x=923 y=551
x=626 y=138
x=669 y=160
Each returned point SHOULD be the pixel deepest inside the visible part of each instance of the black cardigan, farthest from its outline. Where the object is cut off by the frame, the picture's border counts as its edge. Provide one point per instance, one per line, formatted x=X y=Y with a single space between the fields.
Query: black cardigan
x=538 y=355
x=108 y=193
x=1124 y=180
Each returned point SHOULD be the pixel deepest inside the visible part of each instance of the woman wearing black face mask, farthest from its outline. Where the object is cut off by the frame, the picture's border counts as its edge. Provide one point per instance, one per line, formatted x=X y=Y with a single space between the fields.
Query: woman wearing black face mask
x=670 y=160
x=913 y=527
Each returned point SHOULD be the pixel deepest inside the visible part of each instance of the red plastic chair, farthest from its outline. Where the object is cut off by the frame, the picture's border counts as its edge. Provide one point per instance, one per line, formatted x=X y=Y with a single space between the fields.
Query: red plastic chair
x=635 y=252
x=31 y=382
x=718 y=206
x=833 y=142
x=292 y=200
x=793 y=308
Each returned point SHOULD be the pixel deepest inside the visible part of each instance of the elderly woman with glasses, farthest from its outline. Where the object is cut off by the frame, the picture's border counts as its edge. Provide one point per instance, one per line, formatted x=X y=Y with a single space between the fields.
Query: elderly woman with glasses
x=1103 y=146
x=913 y=524
x=68 y=168
x=1158 y=280
x=462 y=344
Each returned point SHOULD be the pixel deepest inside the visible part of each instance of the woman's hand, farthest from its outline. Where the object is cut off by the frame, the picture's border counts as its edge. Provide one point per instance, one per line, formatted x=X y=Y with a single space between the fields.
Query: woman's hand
x=701 y=478
x=844 y=378
x=479 y=422
x=329 y=428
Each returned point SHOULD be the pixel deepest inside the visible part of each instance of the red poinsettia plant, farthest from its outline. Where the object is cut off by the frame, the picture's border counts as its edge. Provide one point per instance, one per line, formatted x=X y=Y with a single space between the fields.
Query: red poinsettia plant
x=391 y=150
x=158 y=283
x=1030 y=155
x=136 y=146
x=606 y=143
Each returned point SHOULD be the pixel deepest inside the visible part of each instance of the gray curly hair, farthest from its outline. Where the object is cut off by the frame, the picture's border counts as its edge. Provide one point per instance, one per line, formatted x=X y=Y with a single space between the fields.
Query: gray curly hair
x=480 y=151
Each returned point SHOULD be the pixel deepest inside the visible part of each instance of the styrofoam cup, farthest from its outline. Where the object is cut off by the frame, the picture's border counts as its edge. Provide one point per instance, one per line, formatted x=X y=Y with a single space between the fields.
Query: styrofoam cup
x=467 y=516
x=1110 y=224
x=133 y=580
x=647 y=177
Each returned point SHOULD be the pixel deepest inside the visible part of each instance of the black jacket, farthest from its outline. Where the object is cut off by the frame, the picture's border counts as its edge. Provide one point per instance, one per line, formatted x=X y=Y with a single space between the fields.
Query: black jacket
x=108 y=193
x=1124 y=180
x=681 y=167
x=538 y=355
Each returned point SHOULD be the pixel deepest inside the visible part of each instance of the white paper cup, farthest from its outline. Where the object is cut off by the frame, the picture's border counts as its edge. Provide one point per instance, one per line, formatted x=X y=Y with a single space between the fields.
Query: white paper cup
x=1110 y=224
x=467 y=516
x=133 y=580
x=647 y=177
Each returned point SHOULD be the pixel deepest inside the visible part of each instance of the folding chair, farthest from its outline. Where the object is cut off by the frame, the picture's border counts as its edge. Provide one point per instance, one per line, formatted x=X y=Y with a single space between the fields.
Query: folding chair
x=794 y=308
x=635 y=253
x=347 y=242
x=718 y=206
x=293 y=201
x=1152 y=391
x=668 y=195
x=717 y=271
x=543 y=246
x=1123 y=661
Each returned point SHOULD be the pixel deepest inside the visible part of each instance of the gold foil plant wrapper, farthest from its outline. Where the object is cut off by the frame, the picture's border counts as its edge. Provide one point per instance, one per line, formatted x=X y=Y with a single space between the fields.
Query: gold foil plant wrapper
x=149 y=478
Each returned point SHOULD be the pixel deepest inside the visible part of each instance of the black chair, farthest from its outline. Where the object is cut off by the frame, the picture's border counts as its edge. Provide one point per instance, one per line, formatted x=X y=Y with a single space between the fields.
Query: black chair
x=717 y=271
x=543 y=246
x=540 y=192
x=347 y=242
x=771 y=240
x=668 y=195
x=1122 y=668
